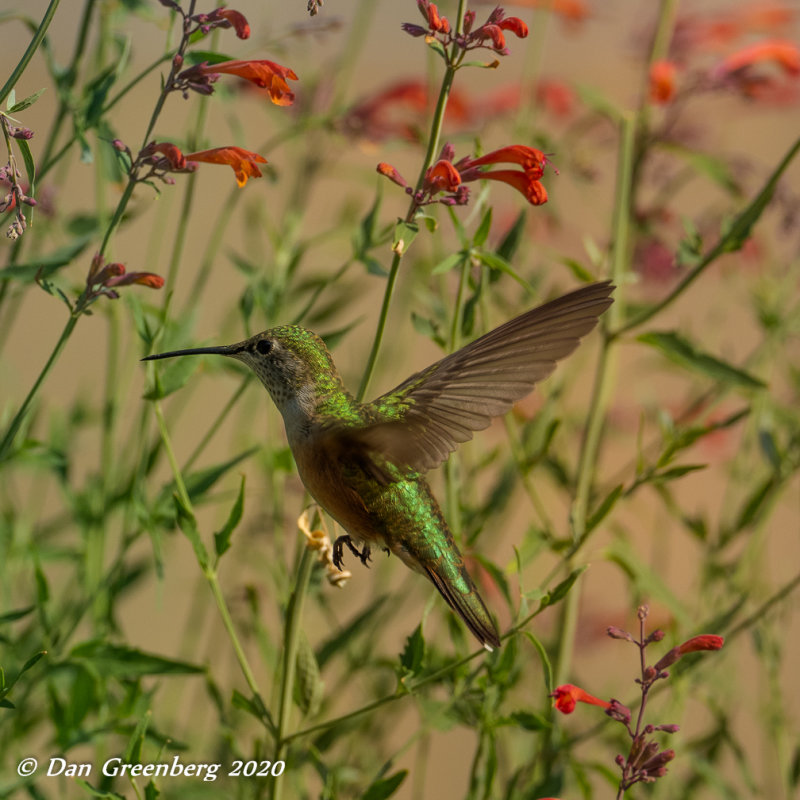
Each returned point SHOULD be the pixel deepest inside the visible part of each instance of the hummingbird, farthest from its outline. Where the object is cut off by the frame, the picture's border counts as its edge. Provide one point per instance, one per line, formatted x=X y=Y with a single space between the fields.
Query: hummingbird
x=365 y=463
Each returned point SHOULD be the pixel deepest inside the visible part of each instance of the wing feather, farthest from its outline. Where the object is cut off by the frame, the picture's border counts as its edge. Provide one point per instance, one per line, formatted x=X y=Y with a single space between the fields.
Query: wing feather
x=421 y=421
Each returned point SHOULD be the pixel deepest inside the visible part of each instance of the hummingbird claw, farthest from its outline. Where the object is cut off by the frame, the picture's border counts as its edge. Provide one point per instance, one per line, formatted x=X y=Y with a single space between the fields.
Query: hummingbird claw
x=338 y=547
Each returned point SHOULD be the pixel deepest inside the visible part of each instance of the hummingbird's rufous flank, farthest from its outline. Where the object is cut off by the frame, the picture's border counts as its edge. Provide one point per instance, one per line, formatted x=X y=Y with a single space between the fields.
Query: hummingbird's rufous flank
x=364 y=463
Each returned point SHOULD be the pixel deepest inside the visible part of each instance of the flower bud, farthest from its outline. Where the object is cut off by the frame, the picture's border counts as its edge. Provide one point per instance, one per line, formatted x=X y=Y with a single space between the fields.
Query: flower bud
x=618 y=633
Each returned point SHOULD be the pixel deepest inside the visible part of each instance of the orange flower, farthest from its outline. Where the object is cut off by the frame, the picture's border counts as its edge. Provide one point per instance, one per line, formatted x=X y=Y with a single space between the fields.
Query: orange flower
x=243 y=162
x=264 y=74
x=237 y=21
x=662 y=82
x=567 y=696
x=442 y=177
x=778 y=51
x=526 y=181
x=172 y=153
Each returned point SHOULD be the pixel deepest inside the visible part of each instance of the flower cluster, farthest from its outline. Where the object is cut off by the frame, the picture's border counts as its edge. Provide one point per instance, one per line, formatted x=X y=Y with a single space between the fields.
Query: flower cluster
x=262 y=73
x=489 y=35
x=10 y=176
x=205 y=23
x=106 y=278
x=445 y=177
x=162 y=158
x=646 y=761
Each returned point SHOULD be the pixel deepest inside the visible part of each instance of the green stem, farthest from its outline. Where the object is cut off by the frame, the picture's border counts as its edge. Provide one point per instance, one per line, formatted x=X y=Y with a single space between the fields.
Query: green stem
x=598 y=402
x=13 y=428
x=731 y=240
x=209 y=570
x=294 y=617
x=433 y=148
x=32 y=48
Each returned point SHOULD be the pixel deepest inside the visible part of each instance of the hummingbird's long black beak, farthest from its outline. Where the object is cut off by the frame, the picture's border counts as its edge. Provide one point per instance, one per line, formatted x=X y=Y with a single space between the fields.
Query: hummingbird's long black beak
x=225 y=350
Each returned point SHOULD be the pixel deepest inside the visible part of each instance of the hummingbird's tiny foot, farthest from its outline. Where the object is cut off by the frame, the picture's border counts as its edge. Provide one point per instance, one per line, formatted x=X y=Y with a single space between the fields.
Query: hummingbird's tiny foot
x=387 y=551
x=338 y=546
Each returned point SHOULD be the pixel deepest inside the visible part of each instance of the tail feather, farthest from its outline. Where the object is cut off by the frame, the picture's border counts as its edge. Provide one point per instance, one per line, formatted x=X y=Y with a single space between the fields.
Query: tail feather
x=470 y=607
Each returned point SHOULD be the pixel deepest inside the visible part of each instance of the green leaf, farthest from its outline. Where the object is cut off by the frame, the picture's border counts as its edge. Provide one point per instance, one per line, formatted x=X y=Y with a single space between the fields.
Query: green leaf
x=561 y=591
x=427 y=327
x=339 y=640
x=26 y=103
x=254 y=707
x=413 y=653
x=530 y=721
x=12 y=98
x=578 y=270
x=188 y=524
x=44 y=266
x=194 y=57
x=309 y=688
x=451 y=262
x=496 y=262
x=17 y=613
x=603 y=509
x=32 y=661
x=404 y=233
x=198 y=483
x=133 y=752
x=508 y=247
x=121 y=661
x=171 y=377
x=673 y=473
x=385 y=787
x=683 y=352
x=30 y=166
x=482 y=233
x=705 y=164
x=596 y=101
x=222 y=539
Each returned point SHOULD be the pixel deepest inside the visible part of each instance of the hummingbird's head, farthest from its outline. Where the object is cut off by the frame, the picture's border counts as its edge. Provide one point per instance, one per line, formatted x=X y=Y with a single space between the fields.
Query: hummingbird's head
x=293 y=364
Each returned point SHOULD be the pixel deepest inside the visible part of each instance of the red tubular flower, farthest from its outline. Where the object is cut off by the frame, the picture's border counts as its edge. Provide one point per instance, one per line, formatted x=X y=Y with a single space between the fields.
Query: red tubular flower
x=707 y=641
x=526 y=181
x=143 y=278
x=662 y=82
x=264 y=74
x=778 y=51
x=442 y=177
x=392 y=174
x=244 y=162
x=102 y=277
x=172 y=153
x=515 y=25
x=237 y=21
x=567 y=696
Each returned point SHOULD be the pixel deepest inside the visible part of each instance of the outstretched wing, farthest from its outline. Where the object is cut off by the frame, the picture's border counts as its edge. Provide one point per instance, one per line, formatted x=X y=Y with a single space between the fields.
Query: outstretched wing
x=427 y=416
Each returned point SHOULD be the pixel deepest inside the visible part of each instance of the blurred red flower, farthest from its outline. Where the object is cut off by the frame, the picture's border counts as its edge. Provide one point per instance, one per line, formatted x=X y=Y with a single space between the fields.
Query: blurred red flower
x=662 y=82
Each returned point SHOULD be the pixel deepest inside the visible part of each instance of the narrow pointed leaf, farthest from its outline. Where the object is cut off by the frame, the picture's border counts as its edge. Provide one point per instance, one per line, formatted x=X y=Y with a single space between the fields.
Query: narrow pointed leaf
x=222 y=539
x=683 y=352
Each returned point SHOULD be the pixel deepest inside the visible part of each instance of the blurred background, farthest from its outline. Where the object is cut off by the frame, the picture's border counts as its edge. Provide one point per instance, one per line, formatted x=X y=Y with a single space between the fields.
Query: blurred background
x=89 y=541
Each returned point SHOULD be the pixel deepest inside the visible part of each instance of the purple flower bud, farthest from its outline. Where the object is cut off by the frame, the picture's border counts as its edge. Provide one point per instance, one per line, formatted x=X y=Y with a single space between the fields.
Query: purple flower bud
x=177 y=61
x=20 y=133
x=414 y=30
x=668 y=728
x=655 y=636
x=618 y=633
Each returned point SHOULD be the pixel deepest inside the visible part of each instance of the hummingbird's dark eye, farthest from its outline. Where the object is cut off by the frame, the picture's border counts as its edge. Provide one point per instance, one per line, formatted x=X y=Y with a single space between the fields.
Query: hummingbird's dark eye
x=263 y=346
